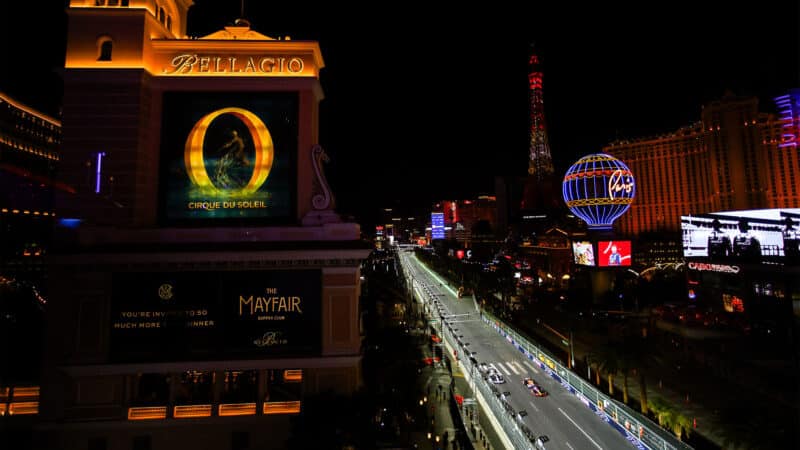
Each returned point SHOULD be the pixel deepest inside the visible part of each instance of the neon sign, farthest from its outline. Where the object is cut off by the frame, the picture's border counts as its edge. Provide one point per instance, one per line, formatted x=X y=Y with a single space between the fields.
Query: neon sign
x=706 y=267
x=187 y=63
x=620 y=181
x=599 y=188
x=789 y=111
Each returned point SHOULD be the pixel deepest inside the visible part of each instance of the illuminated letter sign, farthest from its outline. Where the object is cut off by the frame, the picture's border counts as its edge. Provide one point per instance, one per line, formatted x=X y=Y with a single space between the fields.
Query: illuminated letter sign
x=619 y=182
x=789 y=110
x=192 y=63
x=705 y=267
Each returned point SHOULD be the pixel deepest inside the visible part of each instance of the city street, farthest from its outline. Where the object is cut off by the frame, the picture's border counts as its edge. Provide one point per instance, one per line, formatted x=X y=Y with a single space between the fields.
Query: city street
x=560 y=415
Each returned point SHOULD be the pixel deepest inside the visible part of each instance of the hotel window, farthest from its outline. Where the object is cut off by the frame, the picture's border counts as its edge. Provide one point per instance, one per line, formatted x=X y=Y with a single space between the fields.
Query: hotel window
x=240 y=386
x=150 y=389
x=161 y=15
x=194 y=388
x=105 y=46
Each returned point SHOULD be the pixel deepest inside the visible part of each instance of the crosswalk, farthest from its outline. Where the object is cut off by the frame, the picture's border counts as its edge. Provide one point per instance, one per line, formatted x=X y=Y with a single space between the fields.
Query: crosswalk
x=507 y=367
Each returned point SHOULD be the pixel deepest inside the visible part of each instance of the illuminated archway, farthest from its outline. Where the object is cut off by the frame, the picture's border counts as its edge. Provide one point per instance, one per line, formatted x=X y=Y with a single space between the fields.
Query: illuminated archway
x=262 y=141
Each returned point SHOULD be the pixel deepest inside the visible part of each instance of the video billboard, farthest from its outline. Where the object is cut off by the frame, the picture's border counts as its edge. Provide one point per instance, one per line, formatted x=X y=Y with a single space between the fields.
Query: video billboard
x=614 y=253
x=215 y=315
x=228 y=157
x=437 y=225
x=753 y=236
x=583 y=252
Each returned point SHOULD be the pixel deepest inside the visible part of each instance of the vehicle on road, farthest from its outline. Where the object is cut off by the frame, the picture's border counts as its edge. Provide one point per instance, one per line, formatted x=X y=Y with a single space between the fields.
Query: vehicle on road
x=496 y=378
x=534 y=387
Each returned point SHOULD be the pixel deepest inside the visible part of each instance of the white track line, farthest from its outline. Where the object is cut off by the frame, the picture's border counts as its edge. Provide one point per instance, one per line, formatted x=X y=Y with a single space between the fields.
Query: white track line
x=499 y=364
x=580 y=429
x=536 y=371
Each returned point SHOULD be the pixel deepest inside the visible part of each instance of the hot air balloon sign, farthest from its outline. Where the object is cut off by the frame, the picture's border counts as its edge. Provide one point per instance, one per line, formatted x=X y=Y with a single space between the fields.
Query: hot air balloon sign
x=598 y=188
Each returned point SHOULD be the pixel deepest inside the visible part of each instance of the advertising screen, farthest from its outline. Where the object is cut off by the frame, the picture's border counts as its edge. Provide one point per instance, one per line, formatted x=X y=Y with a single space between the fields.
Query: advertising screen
x=228 y=157
x=583 y=252
x=437 y=225
x=752 y=236
x=614 y=253
x=215 y=315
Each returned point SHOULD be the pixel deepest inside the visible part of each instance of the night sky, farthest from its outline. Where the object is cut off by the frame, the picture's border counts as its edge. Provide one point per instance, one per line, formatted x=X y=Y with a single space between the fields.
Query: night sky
x=431 y=102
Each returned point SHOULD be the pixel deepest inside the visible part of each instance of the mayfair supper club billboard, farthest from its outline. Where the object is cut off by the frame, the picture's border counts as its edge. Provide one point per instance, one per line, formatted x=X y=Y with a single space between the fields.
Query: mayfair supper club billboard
x=211 y=315
x=228 y=157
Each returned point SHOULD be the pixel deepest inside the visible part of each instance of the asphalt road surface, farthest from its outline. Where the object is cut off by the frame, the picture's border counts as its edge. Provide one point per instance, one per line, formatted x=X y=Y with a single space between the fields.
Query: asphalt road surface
x=560 y=415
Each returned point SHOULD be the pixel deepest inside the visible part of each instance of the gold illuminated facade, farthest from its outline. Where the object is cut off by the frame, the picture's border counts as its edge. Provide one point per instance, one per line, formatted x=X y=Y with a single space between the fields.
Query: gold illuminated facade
x=29 y=152
x=205 y=279
x=729 y=160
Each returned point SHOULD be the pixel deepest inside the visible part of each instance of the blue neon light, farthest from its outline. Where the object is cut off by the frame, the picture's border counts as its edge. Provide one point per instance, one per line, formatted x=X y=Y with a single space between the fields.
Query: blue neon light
x=598 y=188
x=98 y=175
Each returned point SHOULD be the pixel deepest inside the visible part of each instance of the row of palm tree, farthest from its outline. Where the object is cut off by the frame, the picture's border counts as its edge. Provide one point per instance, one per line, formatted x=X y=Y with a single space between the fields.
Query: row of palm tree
x=632 y=355
x=743 y=428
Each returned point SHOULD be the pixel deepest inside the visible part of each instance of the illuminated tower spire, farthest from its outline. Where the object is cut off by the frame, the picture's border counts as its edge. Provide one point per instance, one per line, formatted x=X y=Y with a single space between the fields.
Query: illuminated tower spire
x=541 y=205
x=541 y=162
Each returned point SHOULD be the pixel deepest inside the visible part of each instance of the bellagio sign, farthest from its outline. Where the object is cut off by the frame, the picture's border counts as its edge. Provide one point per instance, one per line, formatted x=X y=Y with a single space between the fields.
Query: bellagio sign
x=193 y=63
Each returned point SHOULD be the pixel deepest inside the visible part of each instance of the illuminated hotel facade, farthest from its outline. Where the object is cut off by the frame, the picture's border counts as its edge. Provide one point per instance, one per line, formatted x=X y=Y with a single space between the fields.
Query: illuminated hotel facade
x=29 y=154
x=731 y=159
x=202 y=277
x=461 y=216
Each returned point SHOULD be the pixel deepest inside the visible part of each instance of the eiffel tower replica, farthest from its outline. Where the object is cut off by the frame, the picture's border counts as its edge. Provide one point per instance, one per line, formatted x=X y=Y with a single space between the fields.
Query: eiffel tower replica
x=541 y=205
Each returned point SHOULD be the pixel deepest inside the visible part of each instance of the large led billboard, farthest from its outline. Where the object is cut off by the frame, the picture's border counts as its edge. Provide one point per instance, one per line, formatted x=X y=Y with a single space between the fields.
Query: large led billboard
x=583 y=252
x=614 y=253
x=752 y=236
x=215 y=315
x=228 y=157
x=437 y=225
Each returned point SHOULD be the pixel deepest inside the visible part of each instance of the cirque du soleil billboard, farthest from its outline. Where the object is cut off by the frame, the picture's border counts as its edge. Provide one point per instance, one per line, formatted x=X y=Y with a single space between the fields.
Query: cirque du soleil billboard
x=228 y=156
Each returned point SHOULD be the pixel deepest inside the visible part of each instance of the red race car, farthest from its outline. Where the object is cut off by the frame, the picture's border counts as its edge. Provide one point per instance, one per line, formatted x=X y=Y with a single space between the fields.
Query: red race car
x=534 y=387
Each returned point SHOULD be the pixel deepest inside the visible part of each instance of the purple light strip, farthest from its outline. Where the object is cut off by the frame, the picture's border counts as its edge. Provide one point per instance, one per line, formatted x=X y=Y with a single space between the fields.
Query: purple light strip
x=98 y=174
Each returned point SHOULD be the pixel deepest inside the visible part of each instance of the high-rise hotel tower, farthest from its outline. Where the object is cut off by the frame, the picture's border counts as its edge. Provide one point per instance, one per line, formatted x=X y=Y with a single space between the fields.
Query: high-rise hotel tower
x=202 y=286
x=733 y=158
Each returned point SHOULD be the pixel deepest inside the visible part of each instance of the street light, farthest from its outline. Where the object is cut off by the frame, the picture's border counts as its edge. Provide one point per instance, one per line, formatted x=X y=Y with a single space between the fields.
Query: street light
x=566 y=341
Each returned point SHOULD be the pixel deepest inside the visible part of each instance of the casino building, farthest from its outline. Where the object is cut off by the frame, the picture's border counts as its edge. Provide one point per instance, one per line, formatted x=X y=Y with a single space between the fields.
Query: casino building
x=29 y=144
x=733 y=158
x=199 y=276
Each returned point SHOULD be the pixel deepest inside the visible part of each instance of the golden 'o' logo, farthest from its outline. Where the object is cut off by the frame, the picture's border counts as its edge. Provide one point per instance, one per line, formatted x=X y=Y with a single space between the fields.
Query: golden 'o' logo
x=262 y=141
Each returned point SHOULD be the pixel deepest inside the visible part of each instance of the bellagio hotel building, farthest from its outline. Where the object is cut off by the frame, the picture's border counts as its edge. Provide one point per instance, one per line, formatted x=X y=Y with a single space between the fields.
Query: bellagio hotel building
x=731 y=159
x=202 y=286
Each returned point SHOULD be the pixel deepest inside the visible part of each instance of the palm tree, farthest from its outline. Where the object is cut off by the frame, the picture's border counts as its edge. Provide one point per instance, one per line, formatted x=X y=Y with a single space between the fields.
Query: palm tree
x=636 y=353
x=642 y=392
x=626 y=364
x=607 y=358
x=671 y=418
x=663 y=411
x=593 y=359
